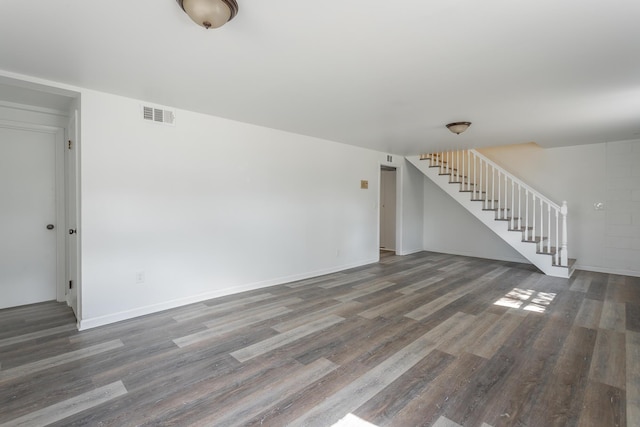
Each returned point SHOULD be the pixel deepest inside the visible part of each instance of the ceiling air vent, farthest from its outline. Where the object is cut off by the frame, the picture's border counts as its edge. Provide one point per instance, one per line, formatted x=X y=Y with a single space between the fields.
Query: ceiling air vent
x=158 y=115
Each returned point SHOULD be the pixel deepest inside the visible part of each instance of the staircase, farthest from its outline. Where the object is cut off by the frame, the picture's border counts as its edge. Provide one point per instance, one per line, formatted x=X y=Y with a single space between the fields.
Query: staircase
x=529 y=222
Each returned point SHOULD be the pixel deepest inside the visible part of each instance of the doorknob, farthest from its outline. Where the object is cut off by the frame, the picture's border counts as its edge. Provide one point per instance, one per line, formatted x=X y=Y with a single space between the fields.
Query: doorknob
x=50 y=227
x=72 y=231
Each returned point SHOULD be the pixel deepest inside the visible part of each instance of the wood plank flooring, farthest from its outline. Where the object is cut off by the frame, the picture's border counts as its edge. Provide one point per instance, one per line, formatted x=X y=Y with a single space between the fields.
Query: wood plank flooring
x=421 y=340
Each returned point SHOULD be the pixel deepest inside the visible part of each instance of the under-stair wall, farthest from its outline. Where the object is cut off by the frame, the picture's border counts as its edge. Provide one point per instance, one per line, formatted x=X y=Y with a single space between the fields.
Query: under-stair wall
x=525 y=219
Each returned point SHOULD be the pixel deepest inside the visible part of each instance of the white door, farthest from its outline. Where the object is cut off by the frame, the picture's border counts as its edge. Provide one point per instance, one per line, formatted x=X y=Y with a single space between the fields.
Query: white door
x=388 y=209
x=28 y=209
x=72 y=214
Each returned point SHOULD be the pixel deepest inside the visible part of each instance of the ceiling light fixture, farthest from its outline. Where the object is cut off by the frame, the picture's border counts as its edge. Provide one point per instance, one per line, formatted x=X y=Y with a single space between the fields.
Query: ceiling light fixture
x=458 y=127
x=210 y=13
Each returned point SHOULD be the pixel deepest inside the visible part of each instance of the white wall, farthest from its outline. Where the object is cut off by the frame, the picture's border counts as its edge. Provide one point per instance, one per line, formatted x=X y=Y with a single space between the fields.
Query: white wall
x=449 y=228
x=211 y=207
x=622 y=207
x=412 y=215
x=607 y=240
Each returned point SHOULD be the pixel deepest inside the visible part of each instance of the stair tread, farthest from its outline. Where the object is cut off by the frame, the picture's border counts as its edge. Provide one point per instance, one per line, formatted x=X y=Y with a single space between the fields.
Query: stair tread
x=536 y=239
x=572 y=262
x=553 y=251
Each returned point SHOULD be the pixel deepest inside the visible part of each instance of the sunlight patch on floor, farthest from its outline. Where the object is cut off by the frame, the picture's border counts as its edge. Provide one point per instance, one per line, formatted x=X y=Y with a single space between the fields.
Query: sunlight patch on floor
x=527 y=299
x=352 y=421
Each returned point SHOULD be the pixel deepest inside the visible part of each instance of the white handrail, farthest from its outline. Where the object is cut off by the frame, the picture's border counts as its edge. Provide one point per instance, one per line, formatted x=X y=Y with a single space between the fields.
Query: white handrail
x=515 y=179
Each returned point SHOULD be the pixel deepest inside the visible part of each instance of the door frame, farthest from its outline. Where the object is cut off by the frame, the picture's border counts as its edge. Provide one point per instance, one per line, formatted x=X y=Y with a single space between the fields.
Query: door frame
x=72 y=177
x=398 y=168
x=60 y=223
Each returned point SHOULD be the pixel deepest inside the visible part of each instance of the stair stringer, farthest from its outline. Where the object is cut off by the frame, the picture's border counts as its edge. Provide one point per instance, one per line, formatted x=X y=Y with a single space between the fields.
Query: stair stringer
x=513 y=238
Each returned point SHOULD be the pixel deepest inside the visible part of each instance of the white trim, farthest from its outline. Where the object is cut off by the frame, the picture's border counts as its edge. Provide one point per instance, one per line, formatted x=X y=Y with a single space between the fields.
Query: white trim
x=399 y=210
x=606 y=270
x=409 y=251
x=35 y=83
x=32 y=127
x=95 y=322
x=33 y=109
x=475 y=255
x=61 y=217
x=73 y=134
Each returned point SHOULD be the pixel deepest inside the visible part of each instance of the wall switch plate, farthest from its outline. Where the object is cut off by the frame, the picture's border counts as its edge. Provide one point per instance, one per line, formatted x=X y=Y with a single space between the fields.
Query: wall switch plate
x=364 y=184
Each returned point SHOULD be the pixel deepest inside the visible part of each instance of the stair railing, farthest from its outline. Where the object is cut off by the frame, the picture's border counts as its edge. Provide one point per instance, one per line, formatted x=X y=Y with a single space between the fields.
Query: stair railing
x=539 y=219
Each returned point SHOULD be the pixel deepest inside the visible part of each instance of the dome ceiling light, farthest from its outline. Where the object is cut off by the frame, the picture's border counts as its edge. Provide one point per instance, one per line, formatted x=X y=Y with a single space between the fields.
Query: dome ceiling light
x=210 y=13
x=458 y=127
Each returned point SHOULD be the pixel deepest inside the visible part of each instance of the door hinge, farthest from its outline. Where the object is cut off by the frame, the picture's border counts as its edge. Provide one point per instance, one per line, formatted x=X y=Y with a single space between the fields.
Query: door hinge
x=70 y=284
x=69 y=145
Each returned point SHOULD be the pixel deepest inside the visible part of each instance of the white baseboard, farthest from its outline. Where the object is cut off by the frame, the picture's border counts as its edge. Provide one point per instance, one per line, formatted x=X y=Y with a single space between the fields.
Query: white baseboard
x=94 y=322
x=409 y=251
x=475 y=255
x=619 y=271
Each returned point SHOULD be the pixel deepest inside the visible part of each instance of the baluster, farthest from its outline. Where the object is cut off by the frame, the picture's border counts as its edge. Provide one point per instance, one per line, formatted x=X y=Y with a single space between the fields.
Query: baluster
x=468 y=170
x=513 y=206
x=447 y=163
x=505 y=214
x=519 y=206
x=455 y=166
x=533 y=212
x=442 y=163
x=462 y=170
x=452 y=166
x=480 y=180
x=448 y=170
x=493 y=188
x=526 y=213
x=475 y=177
x=548 y=228
x=564 y=256
x=499 y=193
x=486 y=184
x=541 y=245
x=557 y=238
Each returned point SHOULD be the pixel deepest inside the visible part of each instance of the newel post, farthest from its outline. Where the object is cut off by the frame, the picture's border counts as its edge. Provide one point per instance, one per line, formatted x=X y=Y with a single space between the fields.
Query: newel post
x=564 y=255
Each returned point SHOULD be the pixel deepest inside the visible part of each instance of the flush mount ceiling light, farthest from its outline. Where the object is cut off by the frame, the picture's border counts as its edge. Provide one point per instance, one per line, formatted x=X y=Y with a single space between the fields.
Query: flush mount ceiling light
x=458 y=127
x=210 y=13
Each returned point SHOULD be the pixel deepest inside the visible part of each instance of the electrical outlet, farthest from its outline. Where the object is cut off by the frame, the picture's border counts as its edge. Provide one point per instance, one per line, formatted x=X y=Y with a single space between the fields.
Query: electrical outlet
x=139 y=276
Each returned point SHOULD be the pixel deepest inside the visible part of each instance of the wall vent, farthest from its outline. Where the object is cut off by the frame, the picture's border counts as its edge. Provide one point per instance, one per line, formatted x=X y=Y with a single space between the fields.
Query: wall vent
x=158 y=115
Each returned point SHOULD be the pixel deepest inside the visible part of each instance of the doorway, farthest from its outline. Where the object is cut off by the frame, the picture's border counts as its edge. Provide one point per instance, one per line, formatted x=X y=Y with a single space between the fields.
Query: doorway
x=37 y=173
x=388 y=214
x=30 y=218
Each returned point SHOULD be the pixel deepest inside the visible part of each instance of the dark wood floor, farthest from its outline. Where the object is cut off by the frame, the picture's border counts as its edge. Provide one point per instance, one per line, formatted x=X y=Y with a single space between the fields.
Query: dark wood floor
x=421 y=340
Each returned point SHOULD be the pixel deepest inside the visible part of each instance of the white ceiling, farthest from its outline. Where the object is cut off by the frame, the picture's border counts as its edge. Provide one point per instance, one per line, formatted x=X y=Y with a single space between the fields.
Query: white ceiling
x=378 y=74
